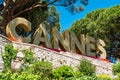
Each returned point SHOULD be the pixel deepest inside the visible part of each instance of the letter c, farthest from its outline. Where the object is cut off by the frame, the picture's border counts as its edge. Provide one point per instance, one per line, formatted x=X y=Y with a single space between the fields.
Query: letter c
x=11 y=32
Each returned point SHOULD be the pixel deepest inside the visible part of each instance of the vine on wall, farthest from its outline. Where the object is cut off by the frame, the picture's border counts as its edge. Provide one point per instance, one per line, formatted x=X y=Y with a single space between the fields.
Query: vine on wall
x=9 y=54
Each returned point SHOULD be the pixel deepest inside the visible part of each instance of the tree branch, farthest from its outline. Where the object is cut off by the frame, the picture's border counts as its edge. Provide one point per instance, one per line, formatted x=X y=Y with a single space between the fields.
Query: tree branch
x=7 y=2
x=52 y=2
x=30 y=8
x=16 y=6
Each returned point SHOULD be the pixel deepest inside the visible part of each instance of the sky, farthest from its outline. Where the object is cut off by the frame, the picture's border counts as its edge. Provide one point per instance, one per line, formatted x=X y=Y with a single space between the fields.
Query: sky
x=66 y=18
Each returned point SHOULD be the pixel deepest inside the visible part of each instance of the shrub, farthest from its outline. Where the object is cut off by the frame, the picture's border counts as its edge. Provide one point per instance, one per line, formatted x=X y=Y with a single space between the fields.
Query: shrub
x=116 y=68
x=9 y=54
x=63 y=72
x=5 y=76
x=117 y=77
x=29 y=58
x=87 y=78
x=44 y=69
x=37 y=71
x=86 y=67
x=15 y=76
x=25 y=76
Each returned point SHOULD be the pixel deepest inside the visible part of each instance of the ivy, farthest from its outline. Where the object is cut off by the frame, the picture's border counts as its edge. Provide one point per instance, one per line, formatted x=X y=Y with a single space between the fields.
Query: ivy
x=116 y=68
x=28 y=58
x=9 y=54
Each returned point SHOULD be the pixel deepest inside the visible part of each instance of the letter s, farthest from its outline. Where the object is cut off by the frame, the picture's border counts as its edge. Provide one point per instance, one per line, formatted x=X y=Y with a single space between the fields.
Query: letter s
x=100 y=46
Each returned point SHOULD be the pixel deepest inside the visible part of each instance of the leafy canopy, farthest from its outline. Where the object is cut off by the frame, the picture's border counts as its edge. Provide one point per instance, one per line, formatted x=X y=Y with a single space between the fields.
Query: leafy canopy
x=104 y=24
x=37 y=11
x=101 y=23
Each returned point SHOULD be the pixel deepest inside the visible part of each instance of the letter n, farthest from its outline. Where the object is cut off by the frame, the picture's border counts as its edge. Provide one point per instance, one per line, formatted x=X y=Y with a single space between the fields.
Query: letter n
x=57 y=40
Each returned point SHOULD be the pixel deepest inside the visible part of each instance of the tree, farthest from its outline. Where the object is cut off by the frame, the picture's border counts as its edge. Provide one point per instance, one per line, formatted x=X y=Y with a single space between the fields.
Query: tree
x=34 y=10
x=101 y=23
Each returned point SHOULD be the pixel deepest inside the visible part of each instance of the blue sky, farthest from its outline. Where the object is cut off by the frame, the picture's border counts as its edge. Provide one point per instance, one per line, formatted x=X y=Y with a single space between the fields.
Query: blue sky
x=66 y=18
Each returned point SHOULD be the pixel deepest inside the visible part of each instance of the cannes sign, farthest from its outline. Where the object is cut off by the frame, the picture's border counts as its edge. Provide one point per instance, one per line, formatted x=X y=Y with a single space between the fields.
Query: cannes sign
x=66 y=41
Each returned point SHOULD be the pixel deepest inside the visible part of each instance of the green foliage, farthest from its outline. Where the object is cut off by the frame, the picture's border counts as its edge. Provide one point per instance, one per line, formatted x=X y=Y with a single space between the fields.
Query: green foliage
x=50 y=17
x=9 y=54
x=101 y=23
x=86 y=68
x=63 y=72
x=118 y=77
x=53 y=19
x=25 y=76
x=15 y=76
x=5 y=76
x=28 y=58
x=37 y=11
x=37 y=71
x=87 y=78
x=42 y=68
x=116 y=68
x=1 y=18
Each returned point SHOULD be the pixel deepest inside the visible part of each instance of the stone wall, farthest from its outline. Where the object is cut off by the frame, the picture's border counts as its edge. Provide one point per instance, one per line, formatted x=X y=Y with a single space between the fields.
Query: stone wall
x=58 y=58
